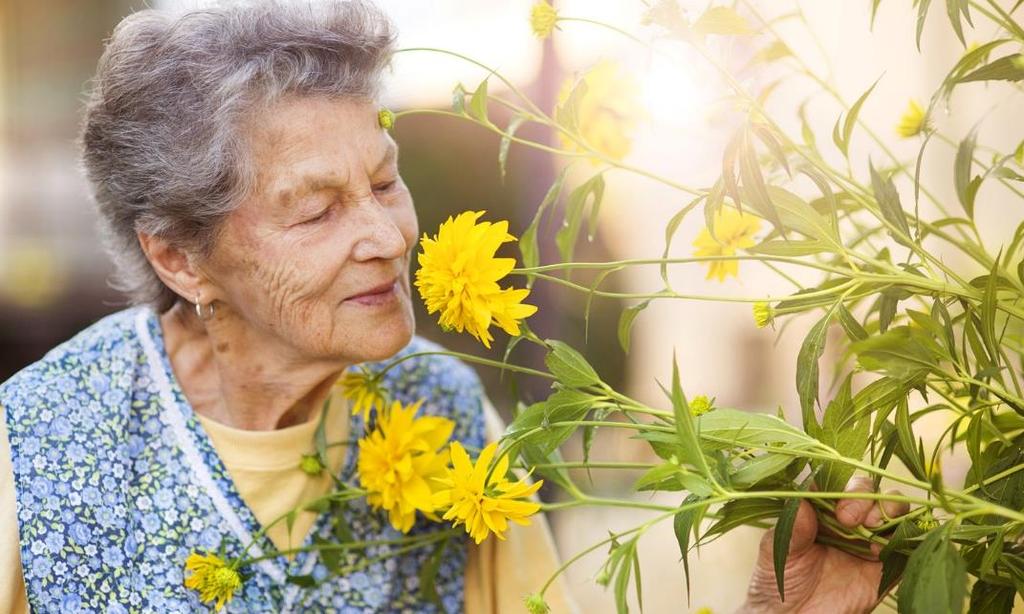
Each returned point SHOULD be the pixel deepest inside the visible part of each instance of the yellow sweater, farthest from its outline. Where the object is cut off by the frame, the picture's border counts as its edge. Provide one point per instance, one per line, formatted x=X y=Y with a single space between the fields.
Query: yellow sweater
x=264 y=467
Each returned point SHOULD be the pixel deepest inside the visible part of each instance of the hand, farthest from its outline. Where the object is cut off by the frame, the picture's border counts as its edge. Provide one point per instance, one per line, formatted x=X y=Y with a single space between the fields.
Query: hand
x=820 y=578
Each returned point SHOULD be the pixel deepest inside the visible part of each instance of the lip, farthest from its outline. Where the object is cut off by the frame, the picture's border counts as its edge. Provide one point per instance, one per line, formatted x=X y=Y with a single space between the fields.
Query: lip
x=376 y=292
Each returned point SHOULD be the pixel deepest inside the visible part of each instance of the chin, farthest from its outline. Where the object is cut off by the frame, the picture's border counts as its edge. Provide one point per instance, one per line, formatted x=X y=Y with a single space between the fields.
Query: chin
x=386 y=341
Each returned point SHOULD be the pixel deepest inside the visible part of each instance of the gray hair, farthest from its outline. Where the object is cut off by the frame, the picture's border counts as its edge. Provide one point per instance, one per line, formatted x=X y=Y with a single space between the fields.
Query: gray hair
x=162 y=142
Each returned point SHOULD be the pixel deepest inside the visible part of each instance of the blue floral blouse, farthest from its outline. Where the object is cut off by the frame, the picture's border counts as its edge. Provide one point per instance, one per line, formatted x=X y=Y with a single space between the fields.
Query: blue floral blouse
x=117 y=483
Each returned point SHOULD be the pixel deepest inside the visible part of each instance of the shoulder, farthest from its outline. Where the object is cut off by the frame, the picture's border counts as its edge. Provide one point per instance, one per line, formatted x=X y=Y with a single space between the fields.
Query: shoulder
x=447 y=385
x=95 y=361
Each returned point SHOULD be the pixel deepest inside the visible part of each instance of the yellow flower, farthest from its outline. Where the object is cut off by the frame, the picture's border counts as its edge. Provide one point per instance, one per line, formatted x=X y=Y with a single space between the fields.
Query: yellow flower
x=310 y=464
x=535 y=604
x=733 y=231
x=543 y=17
x=606 y=110
x=484 y=504
x=763 y=314
x=363 y=389
x=385 y=118
x=459 y=275
x=926 y=522
x=212 y=578
x=913 y=121
x=400 y=461
x=701 y=405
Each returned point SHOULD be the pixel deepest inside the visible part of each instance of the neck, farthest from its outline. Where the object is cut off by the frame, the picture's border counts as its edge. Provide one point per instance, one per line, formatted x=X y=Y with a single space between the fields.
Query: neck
x=234 y=375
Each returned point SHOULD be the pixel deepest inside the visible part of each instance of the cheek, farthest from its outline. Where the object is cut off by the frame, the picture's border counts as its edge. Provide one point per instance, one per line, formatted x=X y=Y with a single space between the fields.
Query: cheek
x=284 y=290
x=407 y=224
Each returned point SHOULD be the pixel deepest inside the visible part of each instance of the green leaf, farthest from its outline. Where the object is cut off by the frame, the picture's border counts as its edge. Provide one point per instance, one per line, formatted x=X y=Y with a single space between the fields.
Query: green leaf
x=740 y=512
x=847 y=433
x=894 y=561
x=935 y=580
x=806 y=133
x=478 y=103
x=772 y=143
x=567 y=114
x=908 y=444
x=775 y=50
x=796 y=214
x=563 y=405
x=670 y=231
x=780 y=543
x=991 y=599
x=569 y=366
x=966 y=186
x=528 y=241
x=992 y=553
x=989 y=306
x=850 y=324
x=684 y=523
x=922 y=13
x=506 y=143
x=428 y=576
x=750 y=429
x=807 y=369
x=889 y=204
x=760 y=468
x=331 y=557
x=459 y=98
x=320 y=435
x=589 y=192
x=305 y=581
x=1007 y=68
x=851 y=117
x=722 y=20
x=969 y=60
x=754 y=189
x=686 y=428
x=791 y=248
x=954 y=9
x=874 y=12
x=841 y=138
x=997 y=458
x=887 y=304
x=905 y=353
x=671 y=477
x=629 y=314
x=830 y=198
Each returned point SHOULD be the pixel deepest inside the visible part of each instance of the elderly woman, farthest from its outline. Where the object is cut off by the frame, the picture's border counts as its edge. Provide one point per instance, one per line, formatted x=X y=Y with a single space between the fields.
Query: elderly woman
x=253 y=207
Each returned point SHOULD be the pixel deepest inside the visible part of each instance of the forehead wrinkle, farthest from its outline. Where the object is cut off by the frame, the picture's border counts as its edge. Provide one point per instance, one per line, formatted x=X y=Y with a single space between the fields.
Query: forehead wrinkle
x=309 y=184
x=390 y=157
x=313 y=182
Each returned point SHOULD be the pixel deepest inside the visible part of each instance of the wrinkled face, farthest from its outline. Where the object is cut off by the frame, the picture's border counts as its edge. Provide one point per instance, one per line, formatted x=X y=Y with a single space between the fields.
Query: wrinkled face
x=316 y=261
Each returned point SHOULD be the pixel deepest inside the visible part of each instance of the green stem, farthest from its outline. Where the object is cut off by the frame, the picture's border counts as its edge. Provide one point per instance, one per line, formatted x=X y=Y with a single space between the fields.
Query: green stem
x=495 y=129
x=469 y=358
x=415 y=540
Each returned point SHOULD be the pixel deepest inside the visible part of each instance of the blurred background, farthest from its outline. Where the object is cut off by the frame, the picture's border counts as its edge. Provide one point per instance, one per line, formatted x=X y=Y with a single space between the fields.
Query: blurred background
x=53 y=273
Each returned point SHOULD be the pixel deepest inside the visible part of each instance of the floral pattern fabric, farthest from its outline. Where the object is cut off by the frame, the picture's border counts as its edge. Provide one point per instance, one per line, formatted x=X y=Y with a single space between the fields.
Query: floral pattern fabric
x=117 y=483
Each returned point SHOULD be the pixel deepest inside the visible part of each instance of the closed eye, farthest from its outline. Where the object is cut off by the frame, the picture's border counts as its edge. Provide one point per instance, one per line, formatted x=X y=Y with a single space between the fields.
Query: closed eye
x=386 y=186
x=320 y=216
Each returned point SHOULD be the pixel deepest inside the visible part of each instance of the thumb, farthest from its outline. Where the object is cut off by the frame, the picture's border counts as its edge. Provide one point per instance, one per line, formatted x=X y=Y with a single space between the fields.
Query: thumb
x=805 y=531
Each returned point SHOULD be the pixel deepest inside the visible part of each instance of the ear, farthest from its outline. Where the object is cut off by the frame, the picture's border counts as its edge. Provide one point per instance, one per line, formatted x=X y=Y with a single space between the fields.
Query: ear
x=174 y=266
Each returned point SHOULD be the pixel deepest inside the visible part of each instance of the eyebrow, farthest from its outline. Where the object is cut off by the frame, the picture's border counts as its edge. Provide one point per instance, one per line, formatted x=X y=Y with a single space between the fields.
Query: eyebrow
x=315 y=183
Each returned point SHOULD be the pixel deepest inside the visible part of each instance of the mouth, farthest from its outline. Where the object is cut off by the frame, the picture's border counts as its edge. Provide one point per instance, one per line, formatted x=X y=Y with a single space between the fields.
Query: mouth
x=376 y=295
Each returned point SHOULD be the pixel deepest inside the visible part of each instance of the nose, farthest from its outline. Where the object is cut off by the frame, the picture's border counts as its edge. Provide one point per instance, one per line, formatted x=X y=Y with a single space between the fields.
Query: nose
x=379 y=235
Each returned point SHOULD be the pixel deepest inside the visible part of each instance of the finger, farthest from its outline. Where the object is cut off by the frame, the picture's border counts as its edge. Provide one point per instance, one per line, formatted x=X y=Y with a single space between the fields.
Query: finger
x=886 y=510
x=805 y=529
x=852 y=512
